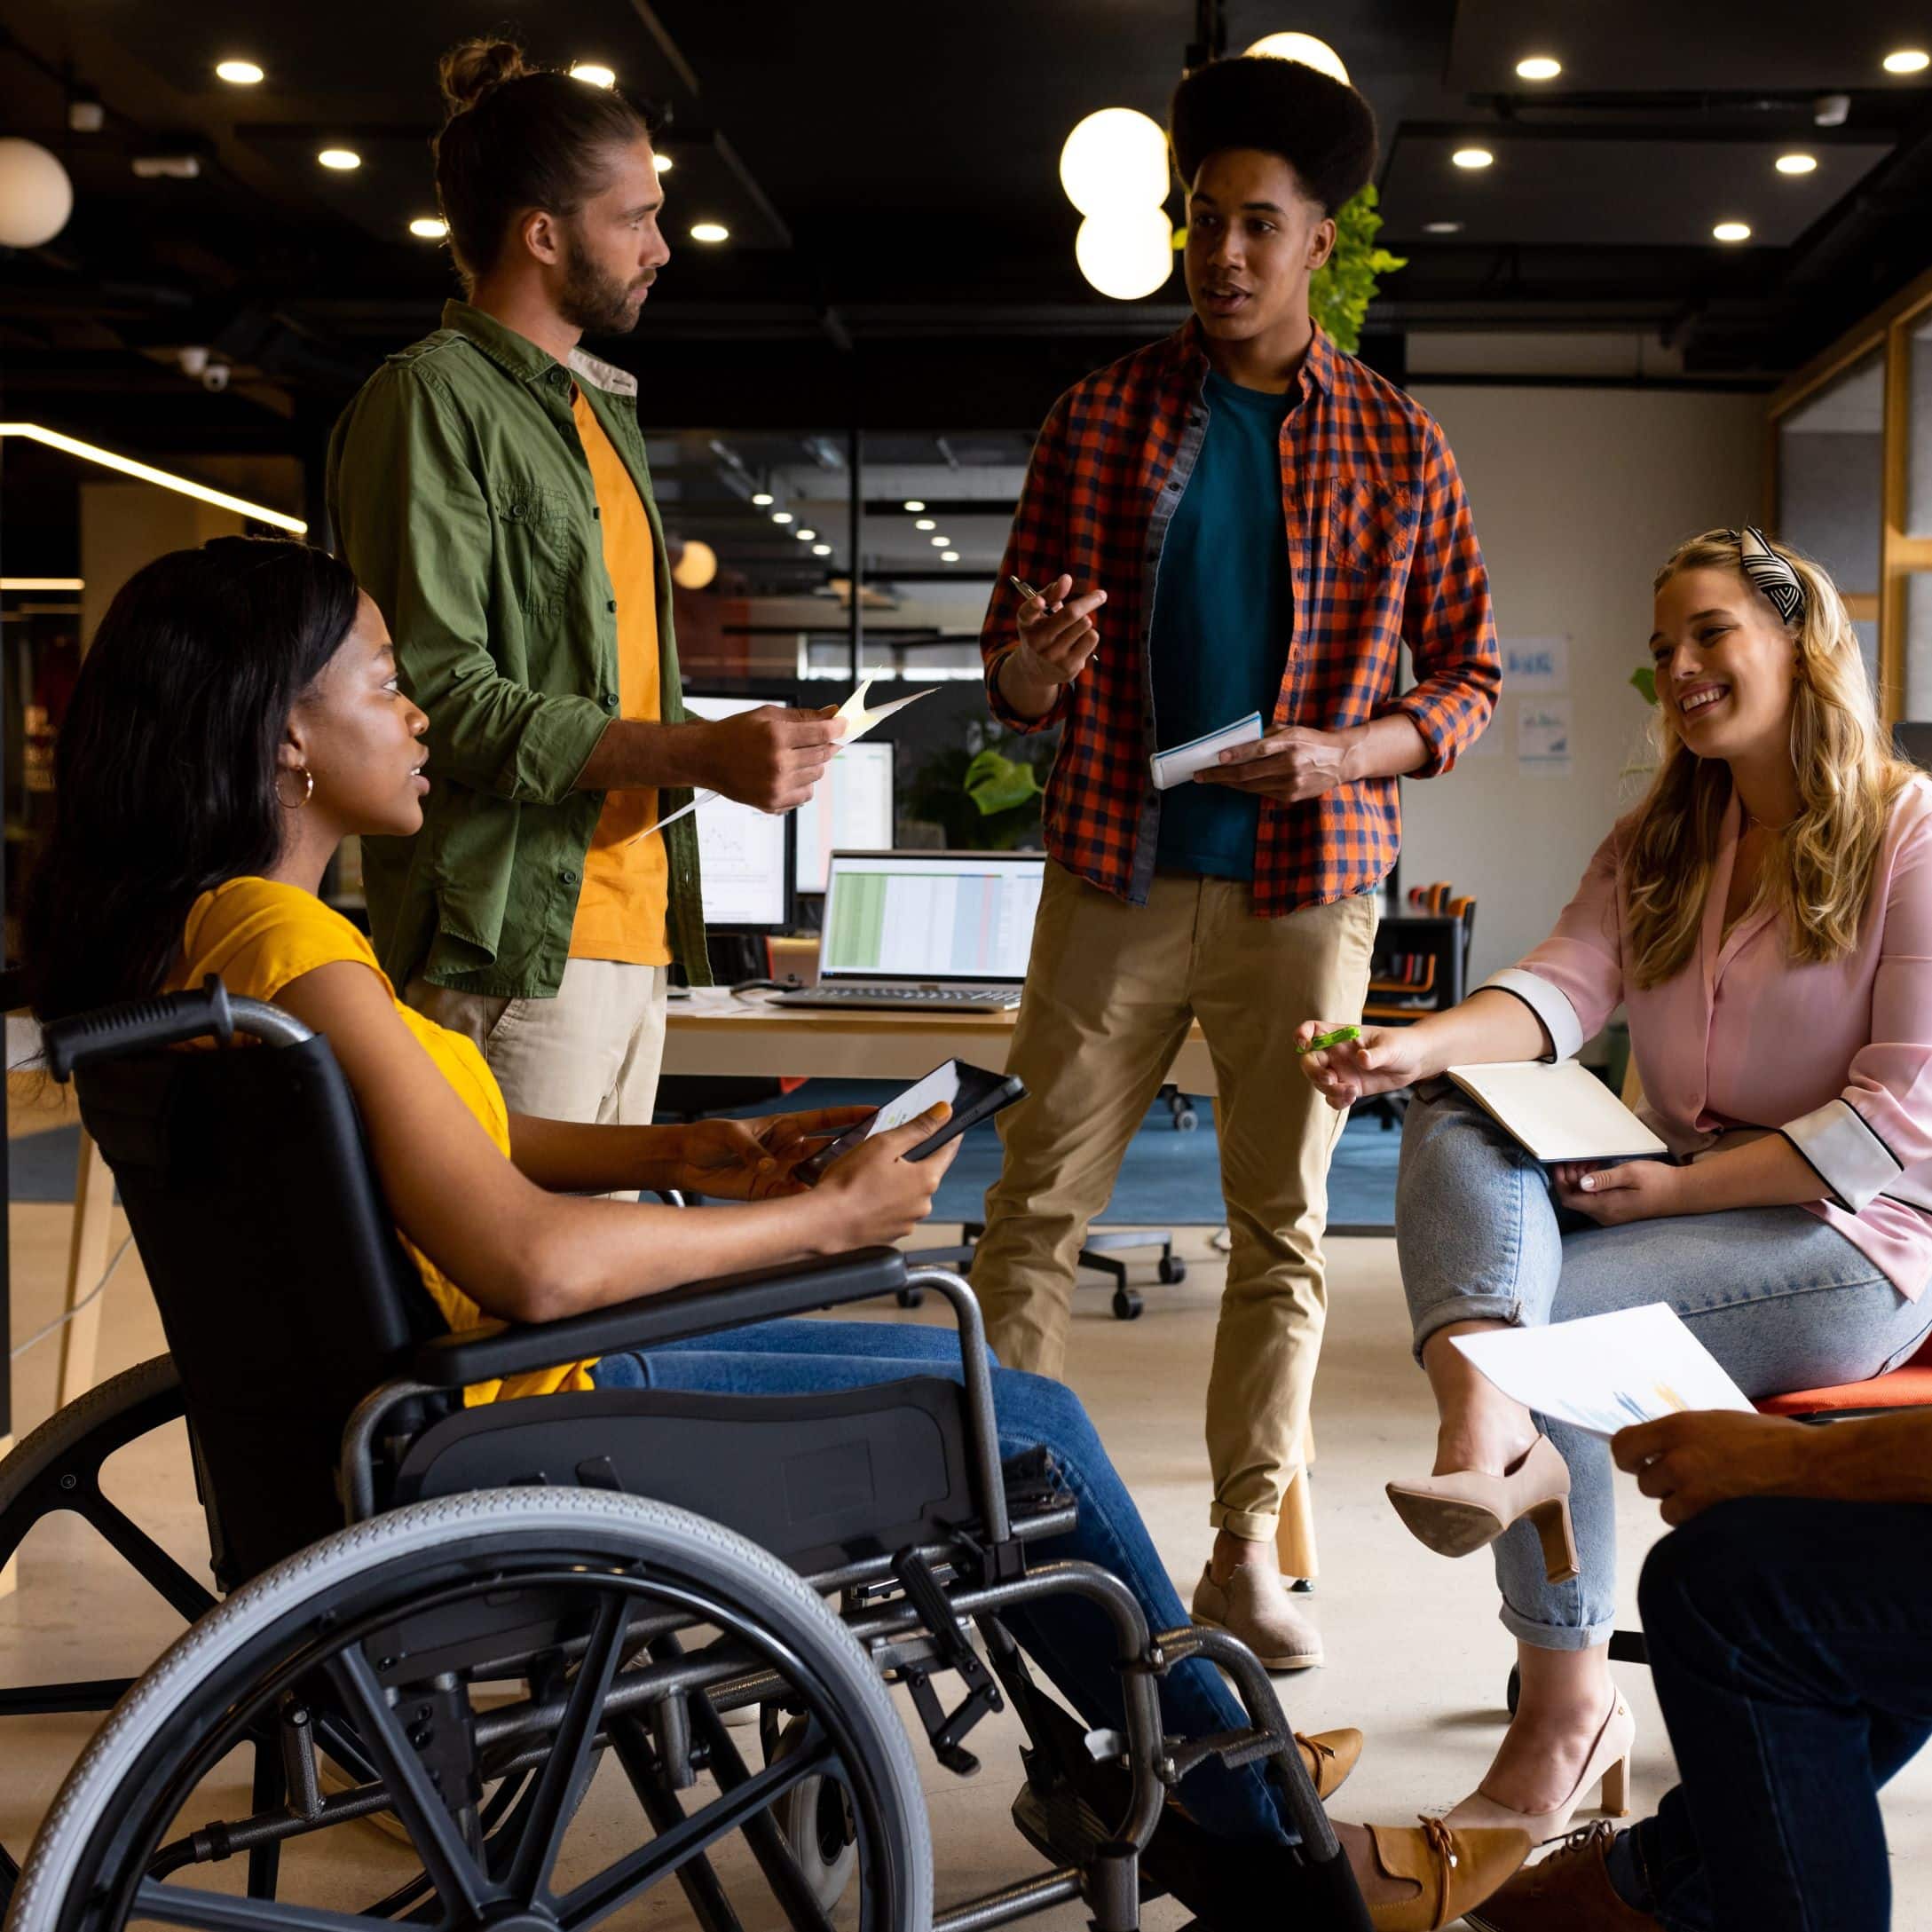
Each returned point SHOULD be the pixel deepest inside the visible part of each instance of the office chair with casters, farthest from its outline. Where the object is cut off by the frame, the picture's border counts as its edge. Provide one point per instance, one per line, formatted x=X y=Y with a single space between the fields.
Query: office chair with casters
x=525 y=1588
x=1907 y=1386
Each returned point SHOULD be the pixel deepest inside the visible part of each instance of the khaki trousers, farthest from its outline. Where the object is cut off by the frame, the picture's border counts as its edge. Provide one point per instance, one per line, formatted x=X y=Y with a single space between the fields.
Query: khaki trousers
x=1110 y=990
x=590 y=1054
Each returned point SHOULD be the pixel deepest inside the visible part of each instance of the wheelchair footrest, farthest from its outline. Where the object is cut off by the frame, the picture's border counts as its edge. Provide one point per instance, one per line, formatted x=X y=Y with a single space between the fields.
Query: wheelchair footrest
x=945 y=1731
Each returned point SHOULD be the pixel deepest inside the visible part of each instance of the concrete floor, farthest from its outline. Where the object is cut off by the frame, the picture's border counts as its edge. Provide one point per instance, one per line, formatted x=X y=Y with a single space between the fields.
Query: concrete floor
x=1414 y=1655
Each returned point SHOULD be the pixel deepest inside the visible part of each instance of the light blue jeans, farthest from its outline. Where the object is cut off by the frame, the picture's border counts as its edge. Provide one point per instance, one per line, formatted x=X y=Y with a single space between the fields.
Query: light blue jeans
x=1780 y=1298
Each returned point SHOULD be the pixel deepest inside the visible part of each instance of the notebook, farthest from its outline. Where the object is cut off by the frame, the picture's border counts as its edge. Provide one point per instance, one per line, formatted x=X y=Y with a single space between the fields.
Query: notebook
x=1560 y=1112
x=1176 y=765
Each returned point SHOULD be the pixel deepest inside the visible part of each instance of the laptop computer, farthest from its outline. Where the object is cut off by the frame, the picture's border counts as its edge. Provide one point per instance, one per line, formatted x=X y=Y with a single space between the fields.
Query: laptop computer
x=925 y=932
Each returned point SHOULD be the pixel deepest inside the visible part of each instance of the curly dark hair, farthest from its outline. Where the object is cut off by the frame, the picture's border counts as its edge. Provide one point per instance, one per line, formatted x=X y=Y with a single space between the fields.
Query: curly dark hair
x=1320 y=126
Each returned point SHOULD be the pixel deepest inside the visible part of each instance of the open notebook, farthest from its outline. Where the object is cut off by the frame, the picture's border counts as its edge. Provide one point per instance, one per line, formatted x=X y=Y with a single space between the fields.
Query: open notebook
x=1560 y=1112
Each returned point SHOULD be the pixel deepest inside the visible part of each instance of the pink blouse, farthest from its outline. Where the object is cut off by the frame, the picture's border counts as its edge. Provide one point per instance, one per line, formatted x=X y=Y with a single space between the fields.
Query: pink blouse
x=1836 y=1058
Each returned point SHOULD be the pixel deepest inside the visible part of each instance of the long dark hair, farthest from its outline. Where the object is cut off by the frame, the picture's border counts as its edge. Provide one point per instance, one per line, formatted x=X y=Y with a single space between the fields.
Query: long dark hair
x=164 y=770
x=518 y=136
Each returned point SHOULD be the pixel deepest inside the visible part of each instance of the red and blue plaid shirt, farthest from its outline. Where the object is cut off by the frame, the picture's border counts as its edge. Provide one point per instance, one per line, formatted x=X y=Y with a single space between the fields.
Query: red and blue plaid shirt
x=1382 y=551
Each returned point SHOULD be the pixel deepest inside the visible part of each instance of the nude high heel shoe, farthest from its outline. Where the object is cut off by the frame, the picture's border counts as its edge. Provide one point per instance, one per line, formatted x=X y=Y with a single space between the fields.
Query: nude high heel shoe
x=1463 y=1511
x=1609 y=1761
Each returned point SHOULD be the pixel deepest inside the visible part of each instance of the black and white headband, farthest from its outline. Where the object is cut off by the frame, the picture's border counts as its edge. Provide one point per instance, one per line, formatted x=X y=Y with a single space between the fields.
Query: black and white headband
x=1770 y=573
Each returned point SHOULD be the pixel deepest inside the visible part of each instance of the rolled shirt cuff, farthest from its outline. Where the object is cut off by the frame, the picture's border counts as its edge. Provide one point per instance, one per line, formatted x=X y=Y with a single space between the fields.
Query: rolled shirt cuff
x=1549 y=1002
x=1849 y=1157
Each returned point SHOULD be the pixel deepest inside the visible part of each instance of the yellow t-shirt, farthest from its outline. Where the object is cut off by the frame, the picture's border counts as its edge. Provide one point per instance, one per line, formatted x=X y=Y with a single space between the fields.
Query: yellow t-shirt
x=622 y=904
x=260 y=935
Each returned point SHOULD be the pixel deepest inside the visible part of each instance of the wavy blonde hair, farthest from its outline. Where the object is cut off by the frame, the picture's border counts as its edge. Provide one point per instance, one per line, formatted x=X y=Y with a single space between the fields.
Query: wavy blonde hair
x=1818 y=875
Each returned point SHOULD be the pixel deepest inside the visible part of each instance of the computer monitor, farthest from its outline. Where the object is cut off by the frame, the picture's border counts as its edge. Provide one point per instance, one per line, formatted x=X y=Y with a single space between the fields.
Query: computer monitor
x=745 y=854
x=851 y=812
x=932 y=915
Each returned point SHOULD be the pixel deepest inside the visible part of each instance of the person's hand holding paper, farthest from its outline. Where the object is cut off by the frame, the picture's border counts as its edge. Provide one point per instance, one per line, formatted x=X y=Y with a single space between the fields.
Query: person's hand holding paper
x=845 y=726
x=1689 y=1461
x=1292 y=765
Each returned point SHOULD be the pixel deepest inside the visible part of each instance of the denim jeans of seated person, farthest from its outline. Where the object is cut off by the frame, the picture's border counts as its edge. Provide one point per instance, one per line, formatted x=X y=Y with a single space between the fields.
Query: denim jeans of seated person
x=1780 y=1298
x=1068 y=1637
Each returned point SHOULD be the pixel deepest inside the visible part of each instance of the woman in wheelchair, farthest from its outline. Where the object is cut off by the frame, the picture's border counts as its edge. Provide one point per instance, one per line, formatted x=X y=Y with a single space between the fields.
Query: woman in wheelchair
x=1765 y=918
x=239 y=714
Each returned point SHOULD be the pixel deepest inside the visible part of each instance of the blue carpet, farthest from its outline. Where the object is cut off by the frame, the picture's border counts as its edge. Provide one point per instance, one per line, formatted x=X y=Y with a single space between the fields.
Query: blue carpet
x=1167 y=1178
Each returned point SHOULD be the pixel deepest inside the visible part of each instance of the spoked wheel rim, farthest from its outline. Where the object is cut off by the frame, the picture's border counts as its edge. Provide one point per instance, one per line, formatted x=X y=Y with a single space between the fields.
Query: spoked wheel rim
x=607 y=1572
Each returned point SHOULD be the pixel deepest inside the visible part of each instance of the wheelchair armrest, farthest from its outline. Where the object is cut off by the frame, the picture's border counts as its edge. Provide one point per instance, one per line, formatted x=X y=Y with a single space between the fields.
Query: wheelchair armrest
x=728 y=1301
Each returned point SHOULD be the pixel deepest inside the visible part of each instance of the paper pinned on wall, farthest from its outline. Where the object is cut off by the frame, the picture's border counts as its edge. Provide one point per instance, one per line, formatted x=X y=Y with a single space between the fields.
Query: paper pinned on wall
x=1543 y=738
x=1533 y=664
x=859 y=719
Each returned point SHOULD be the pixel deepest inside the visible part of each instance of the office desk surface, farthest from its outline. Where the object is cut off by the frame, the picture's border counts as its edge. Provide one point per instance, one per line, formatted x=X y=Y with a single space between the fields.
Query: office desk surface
x=714 y=1032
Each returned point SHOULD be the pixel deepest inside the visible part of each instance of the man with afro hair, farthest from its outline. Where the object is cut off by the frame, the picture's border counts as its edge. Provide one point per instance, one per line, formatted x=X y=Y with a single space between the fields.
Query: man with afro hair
x=1239 y=519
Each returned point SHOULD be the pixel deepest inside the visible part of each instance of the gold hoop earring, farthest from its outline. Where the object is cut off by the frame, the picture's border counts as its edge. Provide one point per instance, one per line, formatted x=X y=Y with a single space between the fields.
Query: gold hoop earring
x=308 y=791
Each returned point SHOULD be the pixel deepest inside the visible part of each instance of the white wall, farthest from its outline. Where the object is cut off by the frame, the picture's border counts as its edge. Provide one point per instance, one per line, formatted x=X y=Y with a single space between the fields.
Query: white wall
x=1579 y=495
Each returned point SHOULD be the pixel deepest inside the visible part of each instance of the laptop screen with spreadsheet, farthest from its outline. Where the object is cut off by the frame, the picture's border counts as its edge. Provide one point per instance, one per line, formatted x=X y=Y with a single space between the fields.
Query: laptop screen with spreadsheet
x=965 y=916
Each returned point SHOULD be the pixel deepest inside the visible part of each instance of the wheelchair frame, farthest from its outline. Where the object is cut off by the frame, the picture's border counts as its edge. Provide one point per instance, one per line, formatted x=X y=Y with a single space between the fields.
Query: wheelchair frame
x=908 y=1609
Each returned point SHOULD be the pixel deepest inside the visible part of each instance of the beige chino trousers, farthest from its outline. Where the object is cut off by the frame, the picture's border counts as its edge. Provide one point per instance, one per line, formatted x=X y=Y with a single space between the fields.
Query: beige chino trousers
x=1110 y=990
x=591 y=1053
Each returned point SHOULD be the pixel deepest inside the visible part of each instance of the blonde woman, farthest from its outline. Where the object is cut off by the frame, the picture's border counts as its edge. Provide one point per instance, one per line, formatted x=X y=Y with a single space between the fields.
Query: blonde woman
x=1765 y=918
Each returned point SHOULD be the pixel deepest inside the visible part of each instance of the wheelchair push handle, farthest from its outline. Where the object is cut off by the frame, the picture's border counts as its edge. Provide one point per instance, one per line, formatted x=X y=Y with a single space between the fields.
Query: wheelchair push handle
x=140 y=1026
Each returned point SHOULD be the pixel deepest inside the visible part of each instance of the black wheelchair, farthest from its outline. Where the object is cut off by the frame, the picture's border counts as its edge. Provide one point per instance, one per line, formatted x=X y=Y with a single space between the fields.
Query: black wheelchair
x=452 y=1615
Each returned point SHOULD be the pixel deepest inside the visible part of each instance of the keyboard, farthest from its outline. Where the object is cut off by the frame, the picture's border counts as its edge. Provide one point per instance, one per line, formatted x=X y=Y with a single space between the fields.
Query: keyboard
x=913 y=998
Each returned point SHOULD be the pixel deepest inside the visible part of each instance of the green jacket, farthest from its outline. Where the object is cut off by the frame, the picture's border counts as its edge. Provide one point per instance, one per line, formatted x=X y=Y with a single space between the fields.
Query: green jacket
x=461 y=498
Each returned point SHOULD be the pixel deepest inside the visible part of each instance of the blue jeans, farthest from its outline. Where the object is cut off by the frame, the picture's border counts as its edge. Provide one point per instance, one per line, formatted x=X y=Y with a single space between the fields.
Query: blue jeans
x=1792 y=1645
x=1781 y=1299
x=1069 y=1638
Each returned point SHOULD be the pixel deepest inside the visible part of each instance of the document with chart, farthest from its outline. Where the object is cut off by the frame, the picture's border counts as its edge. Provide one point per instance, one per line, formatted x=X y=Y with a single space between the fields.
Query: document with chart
x=1603 y=1373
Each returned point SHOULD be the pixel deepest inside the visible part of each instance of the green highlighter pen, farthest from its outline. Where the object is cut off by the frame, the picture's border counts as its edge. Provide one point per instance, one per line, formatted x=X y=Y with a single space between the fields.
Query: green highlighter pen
x=1324 y=1040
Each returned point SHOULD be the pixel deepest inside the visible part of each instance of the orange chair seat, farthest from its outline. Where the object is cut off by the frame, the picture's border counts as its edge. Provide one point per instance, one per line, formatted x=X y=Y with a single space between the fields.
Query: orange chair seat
x=1907 y=1386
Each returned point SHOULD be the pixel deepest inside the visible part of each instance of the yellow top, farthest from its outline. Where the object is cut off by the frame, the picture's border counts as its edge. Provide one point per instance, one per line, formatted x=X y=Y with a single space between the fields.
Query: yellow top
x=260 y=935
x=621 y=906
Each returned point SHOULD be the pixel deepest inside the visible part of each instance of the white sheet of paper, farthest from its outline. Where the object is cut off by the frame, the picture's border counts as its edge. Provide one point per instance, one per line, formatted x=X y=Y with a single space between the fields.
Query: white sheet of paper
x=1603 y=1373
x=858 y=722
x=942 y=1083
x=1177 y=766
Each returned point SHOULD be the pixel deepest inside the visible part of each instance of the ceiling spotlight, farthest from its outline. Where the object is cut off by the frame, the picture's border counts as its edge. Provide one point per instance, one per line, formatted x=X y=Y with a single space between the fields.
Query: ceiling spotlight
x=594 y=72
x=1832 y=110
x=1442 y=227
x=1538 y=67
x=913 y=506
x=238 y=72
x=663 y=163
x=940 y=543
x=821 y=549
x=710 y=231
x=1305 y=48
x=761 y=499
x=1796 y=164
x=926 y=523
x=1908 y=60
x=1472 y=157
x=341 y=159
x=85 y=114
x=781 y=515
x=806 y=536
x=949 y=556
x=429 y=227
x=1732 y=230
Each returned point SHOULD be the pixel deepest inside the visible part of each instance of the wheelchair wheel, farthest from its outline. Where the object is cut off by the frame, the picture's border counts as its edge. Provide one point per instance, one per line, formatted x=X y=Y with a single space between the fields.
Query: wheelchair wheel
x=57 y=1467
x=390 y=1629
x=815 y=1818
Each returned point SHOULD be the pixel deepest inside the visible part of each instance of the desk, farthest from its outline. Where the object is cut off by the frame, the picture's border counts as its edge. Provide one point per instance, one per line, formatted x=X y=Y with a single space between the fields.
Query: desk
x=714 y=1032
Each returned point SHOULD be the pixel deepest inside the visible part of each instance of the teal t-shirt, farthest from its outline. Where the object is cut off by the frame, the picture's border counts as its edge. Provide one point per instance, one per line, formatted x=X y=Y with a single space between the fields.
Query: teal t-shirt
x=1222 y=608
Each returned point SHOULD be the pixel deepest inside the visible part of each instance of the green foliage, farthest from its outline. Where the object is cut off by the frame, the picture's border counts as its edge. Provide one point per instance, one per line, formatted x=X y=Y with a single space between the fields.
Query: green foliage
x=1340 y=291
x=987 y=800
x=1644 y=682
